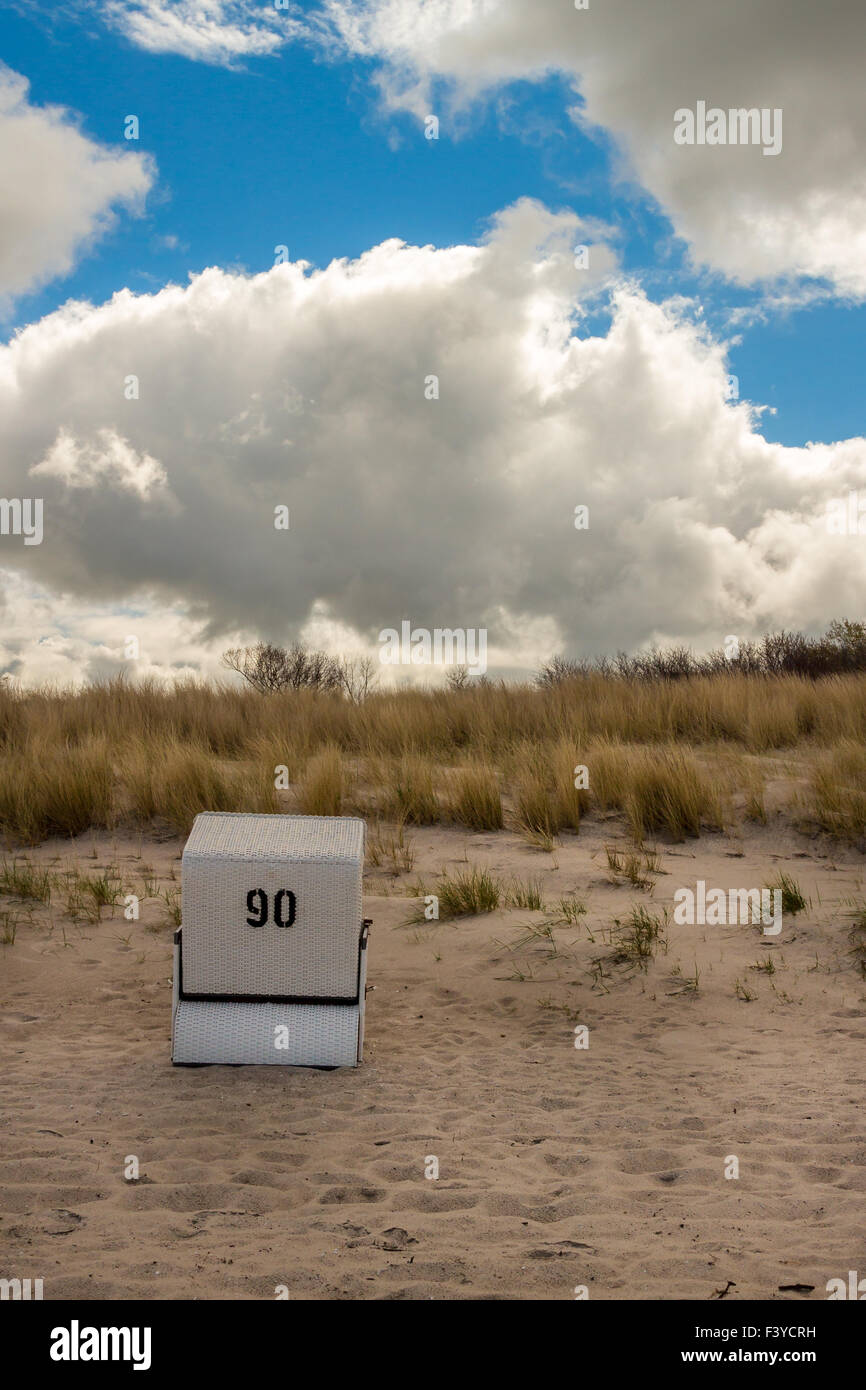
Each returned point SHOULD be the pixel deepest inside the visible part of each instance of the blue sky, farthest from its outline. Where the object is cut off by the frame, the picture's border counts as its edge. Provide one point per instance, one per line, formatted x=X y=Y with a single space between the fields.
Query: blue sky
x=153 y=261
x=295 y=149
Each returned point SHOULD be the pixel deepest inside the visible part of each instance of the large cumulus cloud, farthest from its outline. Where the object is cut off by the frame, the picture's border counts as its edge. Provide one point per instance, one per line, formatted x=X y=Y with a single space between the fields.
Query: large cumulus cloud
x=633 y=65
x=307 y=389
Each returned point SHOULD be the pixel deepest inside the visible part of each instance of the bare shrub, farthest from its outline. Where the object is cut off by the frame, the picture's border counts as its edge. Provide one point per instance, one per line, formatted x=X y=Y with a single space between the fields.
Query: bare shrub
x=271 y=669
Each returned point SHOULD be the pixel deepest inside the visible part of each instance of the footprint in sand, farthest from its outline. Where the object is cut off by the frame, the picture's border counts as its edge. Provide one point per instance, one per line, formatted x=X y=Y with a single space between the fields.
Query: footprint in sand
x=351 y=1194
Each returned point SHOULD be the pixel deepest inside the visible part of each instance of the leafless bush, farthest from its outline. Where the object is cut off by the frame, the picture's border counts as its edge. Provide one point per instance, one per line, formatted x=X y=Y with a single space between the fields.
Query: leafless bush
x=269 y=669
x=357 y=677
x=841 y=650
x=563 y=668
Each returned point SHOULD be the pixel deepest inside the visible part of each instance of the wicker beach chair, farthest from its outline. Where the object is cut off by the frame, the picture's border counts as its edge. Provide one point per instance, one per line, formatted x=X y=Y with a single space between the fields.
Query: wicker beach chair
x=271 y=958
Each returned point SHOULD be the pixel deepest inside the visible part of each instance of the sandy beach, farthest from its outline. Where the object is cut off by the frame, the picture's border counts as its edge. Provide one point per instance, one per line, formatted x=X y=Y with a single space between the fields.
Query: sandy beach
x=560 y=1168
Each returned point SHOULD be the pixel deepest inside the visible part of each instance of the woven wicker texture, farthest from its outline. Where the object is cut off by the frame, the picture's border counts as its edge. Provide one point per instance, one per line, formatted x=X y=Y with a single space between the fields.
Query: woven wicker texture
x=317 y=859
x=316 y=1035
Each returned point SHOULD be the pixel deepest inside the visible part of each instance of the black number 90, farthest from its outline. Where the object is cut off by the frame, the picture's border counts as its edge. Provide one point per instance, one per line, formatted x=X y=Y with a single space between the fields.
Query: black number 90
x=257 y=907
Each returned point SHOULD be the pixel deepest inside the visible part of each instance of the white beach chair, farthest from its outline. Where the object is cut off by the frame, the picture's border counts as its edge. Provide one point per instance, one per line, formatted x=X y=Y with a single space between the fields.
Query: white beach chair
x=270 y=962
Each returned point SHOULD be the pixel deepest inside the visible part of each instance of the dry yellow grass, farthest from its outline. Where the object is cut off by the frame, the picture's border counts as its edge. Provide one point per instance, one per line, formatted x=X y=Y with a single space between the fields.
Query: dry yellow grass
x=838 y=790
x=659 y=753
x=668 y=791
x=476 y=801
x=569 y=800
x=59 y=790
x=405 y=791
x=534 y=809
x=322 y=784
x=174 y=781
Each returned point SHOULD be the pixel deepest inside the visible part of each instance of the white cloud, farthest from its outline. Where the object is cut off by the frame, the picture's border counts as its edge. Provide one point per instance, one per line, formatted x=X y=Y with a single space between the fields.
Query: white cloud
x=308 y=390
x=108 y=461
x=208 y=31
x=48 y=637
x=802 y=212
x=59 y=190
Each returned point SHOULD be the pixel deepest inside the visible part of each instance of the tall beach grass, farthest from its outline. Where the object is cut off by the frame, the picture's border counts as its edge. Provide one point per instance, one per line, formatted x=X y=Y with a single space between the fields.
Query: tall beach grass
x=663 y=755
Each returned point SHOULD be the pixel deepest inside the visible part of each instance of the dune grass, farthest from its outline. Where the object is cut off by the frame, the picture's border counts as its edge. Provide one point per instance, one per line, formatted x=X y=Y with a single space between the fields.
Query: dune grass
x=636 y=866
x=475 y=800
x=19 y=878
x=468 y=893
x=9 y=923
x=838 y=790
x=535 y=809
x=570 y=910
x=857 y=938
x=322 y=784
x=668 y=791
x=637 y=938
x=792 y=898
x=404 y=791
x=48 y=791
x=665 y=755
x=174 y=782
x=526 y=893
x=393 y=850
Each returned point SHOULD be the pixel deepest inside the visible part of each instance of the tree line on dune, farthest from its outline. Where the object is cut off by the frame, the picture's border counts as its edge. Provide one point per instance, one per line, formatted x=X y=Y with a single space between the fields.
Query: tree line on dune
x=841 y=650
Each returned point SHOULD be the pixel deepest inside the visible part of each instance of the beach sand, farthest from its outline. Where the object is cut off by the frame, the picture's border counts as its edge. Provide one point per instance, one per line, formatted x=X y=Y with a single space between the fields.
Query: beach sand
x=559 y=1168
